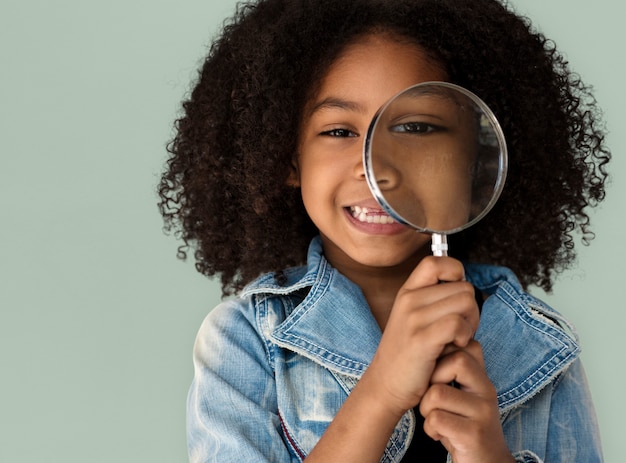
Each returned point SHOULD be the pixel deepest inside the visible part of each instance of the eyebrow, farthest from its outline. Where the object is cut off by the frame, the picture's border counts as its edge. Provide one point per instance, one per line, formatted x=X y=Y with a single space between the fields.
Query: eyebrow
x=336 y=103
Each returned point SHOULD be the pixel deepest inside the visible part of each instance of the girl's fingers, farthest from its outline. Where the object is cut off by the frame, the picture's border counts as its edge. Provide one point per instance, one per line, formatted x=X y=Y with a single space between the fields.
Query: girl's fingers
x=423 y=322
x=475 y=394
x=466 y=419
x=424 y=306
x=449 y=400
x=466 y=366
x=403 y=364
x=448 y=330
x=440 y=424
x=432 y=270
x=435 y=289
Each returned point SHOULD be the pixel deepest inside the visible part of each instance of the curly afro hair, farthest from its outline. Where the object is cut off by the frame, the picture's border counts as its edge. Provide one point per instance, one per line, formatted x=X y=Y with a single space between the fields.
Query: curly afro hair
x=225 y=190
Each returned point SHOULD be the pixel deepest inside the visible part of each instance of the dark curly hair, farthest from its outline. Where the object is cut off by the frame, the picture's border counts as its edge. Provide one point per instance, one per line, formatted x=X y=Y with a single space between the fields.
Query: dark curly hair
x=225 y=191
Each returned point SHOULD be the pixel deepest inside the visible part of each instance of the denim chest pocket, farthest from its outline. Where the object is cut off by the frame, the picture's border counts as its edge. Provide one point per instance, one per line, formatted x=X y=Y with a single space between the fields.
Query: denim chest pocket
x=309 y=397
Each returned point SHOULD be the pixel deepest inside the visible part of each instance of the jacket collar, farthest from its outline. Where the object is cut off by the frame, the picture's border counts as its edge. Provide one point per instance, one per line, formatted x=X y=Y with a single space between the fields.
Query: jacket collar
x=332 y=325
x=525 y=343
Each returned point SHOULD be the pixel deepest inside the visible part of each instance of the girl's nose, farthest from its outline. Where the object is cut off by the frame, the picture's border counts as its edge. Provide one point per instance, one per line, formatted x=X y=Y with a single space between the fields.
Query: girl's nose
x=384 y=168
x=359 y=169
x=385 y=173
x=384 y=161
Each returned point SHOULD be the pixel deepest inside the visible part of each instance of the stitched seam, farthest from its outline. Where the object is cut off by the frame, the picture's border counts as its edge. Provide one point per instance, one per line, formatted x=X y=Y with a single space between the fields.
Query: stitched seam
x=313 y=295
x=536 y=386
x=262 y=320
x=292 y=442
x=304 y=351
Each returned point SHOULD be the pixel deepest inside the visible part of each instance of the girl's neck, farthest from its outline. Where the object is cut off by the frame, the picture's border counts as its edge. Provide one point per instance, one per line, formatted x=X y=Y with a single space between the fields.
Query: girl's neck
x=380 y=285
x=380 y=294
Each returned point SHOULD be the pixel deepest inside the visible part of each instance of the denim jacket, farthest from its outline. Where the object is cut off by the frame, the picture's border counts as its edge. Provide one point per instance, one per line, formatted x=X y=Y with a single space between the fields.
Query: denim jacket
x=273 y=367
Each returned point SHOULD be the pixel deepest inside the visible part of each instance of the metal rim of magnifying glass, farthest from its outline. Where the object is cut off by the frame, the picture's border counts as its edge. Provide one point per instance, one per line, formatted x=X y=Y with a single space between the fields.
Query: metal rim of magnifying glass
x=502 y=162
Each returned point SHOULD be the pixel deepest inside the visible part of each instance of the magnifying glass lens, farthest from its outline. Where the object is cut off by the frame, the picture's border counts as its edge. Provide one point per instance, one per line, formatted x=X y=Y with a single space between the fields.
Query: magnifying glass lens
x=435 y=158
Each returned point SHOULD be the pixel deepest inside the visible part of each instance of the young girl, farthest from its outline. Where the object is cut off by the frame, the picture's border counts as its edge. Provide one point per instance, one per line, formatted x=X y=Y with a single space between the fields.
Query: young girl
x=341 y=343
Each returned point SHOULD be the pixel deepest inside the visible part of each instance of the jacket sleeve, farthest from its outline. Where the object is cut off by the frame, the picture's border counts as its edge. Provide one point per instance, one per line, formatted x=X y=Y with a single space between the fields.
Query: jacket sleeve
x=559 y=424
x=573 y=433
x=232 y=408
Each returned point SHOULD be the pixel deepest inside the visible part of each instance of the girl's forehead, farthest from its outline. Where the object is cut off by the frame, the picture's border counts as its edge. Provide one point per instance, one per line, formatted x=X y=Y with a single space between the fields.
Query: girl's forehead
x=367 y=50
x=378 y=59
x=369 y=70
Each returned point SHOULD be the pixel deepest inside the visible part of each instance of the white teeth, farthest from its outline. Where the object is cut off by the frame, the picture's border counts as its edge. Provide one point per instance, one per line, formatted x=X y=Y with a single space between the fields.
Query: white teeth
x=360 y=213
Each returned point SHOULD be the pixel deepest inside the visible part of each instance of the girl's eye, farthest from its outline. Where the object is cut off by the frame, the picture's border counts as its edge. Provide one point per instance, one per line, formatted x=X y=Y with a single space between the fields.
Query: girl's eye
x=415 y=127
x=343 y=133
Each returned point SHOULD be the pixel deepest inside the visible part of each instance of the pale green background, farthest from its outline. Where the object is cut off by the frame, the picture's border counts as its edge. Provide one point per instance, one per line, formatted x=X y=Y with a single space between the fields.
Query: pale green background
x=97 y=317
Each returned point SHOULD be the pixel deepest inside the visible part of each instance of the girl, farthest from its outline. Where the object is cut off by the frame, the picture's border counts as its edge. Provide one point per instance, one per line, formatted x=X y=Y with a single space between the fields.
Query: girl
x=341 y=345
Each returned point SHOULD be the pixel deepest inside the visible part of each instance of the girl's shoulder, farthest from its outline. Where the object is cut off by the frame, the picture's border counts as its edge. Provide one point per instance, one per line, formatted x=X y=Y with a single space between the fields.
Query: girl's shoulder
x=264 y=300
x=526 y=343
x=502 y=283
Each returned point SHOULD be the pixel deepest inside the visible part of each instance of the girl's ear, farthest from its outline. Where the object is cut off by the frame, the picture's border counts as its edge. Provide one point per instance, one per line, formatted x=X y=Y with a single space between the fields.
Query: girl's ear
x=294 y=174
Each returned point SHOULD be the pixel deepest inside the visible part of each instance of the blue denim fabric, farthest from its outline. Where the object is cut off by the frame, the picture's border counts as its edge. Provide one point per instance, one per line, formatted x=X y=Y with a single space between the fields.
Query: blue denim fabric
x=273 y=367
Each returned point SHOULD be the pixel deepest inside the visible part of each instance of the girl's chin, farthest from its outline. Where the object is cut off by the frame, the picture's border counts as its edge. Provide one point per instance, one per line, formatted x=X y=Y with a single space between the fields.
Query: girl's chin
x=383 y=255
x=390 y=260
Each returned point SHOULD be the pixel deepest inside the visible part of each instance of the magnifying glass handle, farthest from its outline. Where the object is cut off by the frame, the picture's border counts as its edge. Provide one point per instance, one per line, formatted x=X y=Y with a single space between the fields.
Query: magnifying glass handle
x=439 y=244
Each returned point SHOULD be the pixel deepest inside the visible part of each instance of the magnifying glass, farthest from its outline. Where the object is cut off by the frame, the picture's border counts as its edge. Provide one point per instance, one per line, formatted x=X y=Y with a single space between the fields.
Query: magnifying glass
x=435 y=159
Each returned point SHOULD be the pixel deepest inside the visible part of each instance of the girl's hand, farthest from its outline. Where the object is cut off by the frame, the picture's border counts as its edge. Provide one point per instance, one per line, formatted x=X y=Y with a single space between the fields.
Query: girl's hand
x=427 y=319
x=465 y=419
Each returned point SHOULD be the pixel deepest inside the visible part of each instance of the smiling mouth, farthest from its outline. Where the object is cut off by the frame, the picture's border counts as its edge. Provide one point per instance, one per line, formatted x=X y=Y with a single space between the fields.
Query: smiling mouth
x=366 y=215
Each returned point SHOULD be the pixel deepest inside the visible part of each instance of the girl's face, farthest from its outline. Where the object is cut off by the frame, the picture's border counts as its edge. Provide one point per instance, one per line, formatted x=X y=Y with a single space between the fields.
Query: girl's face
x=356 y=234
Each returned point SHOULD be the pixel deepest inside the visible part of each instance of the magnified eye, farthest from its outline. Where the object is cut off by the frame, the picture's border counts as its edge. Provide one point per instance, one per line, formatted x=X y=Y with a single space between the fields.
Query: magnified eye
x=415 y=128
